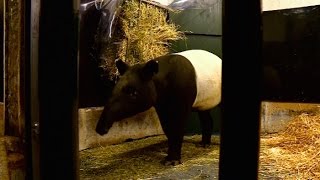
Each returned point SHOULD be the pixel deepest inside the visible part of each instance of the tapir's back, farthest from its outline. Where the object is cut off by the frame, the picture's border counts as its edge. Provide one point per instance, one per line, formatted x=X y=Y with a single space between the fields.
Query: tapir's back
x=208 y=68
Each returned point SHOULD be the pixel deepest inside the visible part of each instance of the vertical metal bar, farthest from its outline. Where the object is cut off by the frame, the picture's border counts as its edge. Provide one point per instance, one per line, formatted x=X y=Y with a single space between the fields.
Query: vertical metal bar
x=28 y=114
x=241 y=52
x=32 y=112
x=58 y=89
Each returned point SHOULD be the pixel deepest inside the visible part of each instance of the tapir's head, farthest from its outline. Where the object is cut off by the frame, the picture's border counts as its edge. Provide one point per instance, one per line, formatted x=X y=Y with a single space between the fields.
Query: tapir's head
x=134 y=92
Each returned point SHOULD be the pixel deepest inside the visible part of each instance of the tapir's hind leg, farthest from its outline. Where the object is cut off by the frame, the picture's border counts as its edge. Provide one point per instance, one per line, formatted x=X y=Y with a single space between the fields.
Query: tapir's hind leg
x=206 y=123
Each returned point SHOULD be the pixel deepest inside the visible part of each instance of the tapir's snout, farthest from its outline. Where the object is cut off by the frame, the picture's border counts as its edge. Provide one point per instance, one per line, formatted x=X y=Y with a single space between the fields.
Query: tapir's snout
x=102 y=127
x=102 y=130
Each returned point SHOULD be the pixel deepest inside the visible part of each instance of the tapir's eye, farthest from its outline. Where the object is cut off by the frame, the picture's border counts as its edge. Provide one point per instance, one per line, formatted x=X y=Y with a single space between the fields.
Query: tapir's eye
x=131 y=91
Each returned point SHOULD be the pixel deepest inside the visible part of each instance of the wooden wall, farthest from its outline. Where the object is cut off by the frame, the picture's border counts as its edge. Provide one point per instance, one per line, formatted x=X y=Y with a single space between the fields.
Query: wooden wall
x=12 y=120
x=14 y=68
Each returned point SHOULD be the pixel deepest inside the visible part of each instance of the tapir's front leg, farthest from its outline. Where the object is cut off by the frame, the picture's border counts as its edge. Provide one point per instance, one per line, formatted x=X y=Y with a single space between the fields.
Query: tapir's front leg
x=174 y=149
x=172 y=122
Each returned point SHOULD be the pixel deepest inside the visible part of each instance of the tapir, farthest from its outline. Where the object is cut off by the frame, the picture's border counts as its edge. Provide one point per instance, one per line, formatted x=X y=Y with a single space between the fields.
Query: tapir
x=175 y=84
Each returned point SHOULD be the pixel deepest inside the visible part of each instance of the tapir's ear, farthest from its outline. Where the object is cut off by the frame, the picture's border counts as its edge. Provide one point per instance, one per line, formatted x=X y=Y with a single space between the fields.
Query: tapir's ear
x=121 y=66
x=151 y=68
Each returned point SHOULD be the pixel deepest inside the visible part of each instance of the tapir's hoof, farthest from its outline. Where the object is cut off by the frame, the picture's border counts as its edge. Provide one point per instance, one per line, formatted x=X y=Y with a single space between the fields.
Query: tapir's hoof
x=204 y=145
x=171 y=162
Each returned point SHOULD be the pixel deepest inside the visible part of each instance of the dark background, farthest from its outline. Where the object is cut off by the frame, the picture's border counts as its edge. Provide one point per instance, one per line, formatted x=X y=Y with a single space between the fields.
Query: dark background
x=291 y=46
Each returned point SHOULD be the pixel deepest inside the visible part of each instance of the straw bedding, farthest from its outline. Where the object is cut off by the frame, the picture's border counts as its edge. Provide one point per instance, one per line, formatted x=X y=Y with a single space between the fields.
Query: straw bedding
x=141 y=159
x=295 y=152
x=290 y=154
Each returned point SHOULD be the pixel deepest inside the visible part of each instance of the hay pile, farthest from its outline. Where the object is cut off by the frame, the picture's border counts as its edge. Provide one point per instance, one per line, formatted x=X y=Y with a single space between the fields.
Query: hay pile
x=295 y=152
x=140 y=159
x=142 y=33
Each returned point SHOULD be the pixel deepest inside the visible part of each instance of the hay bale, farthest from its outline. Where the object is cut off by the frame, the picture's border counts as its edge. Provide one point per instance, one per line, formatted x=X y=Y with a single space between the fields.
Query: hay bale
x=295 y=152
x=143 y=33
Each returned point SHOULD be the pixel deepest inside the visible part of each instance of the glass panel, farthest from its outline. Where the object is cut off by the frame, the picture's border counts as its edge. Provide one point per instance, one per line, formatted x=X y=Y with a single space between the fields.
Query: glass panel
x=290 y=115
x=136 y=145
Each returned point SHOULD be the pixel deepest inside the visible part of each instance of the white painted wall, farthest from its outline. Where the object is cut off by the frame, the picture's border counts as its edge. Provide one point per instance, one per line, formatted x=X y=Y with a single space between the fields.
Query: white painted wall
x=269 y=5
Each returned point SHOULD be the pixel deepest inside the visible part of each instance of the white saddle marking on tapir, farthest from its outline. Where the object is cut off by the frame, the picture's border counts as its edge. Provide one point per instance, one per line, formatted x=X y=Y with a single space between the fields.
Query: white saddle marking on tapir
x=208 y=68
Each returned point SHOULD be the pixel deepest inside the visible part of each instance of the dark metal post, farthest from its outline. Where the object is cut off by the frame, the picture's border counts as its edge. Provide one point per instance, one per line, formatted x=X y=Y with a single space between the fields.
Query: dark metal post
x=241 y=54
x=32 y=89
x=28 y=99
x=58 y=89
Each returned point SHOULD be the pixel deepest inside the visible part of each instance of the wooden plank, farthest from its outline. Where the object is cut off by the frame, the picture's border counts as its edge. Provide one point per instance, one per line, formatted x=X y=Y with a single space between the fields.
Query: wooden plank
x=4 y=174
x=14 y=63
x=16 y=166
x=12 y=161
